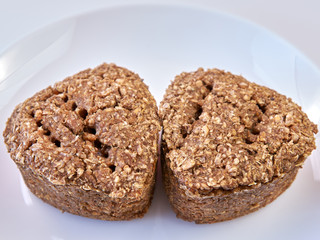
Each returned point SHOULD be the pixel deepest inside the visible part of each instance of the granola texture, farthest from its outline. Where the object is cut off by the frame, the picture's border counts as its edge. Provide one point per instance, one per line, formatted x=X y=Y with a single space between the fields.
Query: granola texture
x=88 y=145
x=230 y=146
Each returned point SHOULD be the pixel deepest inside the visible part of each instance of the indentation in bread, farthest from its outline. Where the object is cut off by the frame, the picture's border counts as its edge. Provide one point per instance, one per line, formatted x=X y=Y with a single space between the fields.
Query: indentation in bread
x=96 y=130
x=222 y=132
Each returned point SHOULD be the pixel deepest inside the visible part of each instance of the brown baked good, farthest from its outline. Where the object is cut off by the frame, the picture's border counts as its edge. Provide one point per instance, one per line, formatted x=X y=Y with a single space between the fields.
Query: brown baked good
x=229 y=146
x=88 y=145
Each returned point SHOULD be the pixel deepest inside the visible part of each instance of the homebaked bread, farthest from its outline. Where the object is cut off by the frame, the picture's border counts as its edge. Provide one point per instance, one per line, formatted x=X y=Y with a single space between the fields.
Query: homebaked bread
x=88 y=145
x=229 y=146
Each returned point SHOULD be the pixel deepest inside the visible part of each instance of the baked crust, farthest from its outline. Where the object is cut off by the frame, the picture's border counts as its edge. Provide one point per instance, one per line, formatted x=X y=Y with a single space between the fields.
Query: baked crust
x=223 y=134
x=221 y=205
x=88 y=145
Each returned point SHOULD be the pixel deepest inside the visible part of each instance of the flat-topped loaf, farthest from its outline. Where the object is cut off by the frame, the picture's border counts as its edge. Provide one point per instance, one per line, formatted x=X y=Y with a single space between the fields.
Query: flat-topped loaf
x=229 y=146
x=88 y=144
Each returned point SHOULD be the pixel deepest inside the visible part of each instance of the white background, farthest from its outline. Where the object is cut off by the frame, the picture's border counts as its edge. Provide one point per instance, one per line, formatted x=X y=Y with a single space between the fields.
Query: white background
x=295 y=214
x=297 y=21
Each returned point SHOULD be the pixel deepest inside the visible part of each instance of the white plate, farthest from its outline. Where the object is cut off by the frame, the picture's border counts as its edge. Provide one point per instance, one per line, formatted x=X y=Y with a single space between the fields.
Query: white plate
x=158 y=42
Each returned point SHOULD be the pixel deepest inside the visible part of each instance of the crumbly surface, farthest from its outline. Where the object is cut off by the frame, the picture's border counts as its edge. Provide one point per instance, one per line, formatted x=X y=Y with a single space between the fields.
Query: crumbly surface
x=96 y=131
x=223 y=132
x=223 y=204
